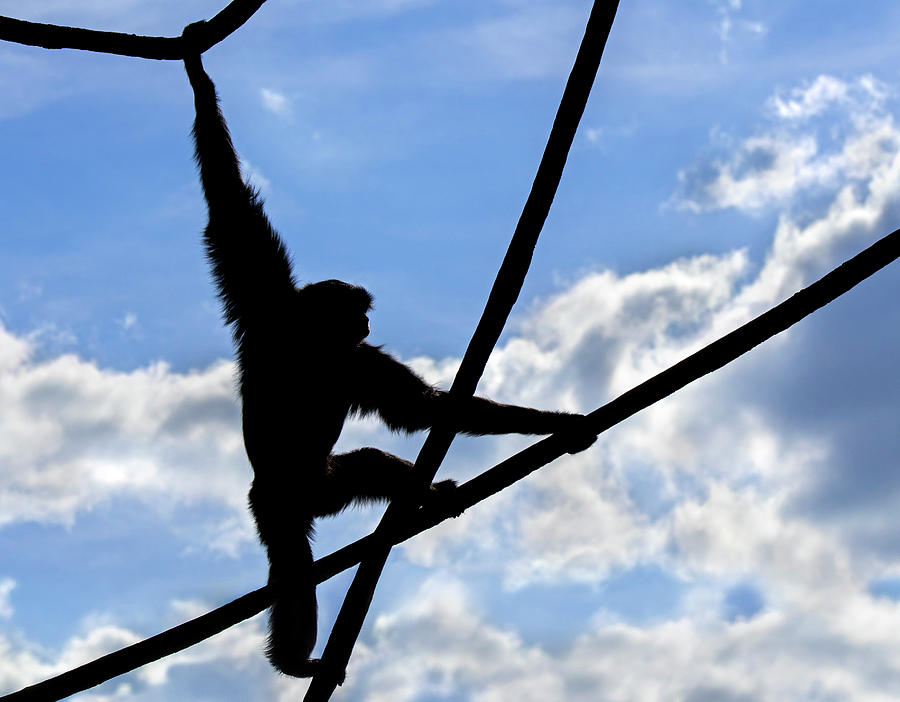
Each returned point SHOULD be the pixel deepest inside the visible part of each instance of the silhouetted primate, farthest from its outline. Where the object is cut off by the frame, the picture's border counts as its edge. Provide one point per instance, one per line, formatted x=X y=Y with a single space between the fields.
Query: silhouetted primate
x=303 y=368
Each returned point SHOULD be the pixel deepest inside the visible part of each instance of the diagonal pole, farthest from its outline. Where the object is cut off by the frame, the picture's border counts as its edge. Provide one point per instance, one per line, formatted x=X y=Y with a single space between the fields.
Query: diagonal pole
x=491 y=481
x=503 y=295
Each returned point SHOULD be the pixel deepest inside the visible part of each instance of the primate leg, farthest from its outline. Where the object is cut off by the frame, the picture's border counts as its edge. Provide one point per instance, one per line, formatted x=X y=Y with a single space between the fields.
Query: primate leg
x=292 y=615
x=364 y=476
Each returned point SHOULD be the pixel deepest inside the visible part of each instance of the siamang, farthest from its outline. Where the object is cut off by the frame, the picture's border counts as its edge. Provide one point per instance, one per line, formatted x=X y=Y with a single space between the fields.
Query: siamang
x=303 y=368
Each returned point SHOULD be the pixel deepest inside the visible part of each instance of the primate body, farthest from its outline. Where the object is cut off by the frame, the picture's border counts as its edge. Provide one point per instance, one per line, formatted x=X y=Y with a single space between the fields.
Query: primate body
x=303 y=368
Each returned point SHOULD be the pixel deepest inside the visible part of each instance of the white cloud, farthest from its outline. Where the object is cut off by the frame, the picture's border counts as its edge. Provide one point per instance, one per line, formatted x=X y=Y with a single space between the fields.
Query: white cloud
x=129 y=323
x=702 y=486
x=864 y=95
x=792 y=159
x=738 y=533
x=23 y=664
x=6 y=587
x=255 y=177
x=727 y=11
x=241 y=645
x=275 y=102
x=14 y=351
x=810 y=100
x=600 y=137
x=442 y=644
x=580 y=520
x=73 y=435
x=448 y=649
x=239 y=648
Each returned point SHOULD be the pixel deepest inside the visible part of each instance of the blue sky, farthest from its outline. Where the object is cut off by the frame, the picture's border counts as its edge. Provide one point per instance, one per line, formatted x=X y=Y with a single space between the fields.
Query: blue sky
x=736 y=542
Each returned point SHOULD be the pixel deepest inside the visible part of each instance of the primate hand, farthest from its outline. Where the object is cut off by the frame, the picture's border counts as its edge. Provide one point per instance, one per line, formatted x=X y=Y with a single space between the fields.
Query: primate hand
x=580 y=440
x=192 y=38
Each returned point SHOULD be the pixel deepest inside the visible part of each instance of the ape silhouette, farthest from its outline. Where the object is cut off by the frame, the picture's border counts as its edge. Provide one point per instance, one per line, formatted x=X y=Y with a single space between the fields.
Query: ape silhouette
x=303 y=367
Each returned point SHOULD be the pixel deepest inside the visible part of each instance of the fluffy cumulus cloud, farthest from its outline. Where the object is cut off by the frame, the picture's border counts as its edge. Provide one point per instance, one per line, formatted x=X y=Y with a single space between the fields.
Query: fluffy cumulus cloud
x=717 y=494
x=21 y=666
x=735 y=500
x=73 y=436
x=233 y=656
x=825 y=133
x=442 y=645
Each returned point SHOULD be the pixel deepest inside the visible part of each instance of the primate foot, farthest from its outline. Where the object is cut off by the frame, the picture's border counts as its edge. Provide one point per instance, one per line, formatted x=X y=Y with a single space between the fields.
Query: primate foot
x=441 y=498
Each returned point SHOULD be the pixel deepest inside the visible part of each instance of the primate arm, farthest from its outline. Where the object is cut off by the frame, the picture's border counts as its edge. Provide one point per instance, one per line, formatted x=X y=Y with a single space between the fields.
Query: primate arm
x=249 y=260
x=407 y=403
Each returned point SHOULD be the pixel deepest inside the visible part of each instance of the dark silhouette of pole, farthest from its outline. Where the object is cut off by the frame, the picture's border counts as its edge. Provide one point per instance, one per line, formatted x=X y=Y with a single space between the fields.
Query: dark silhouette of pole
x=52 y=36
x=708 y=359
x=399 y=523
x=503 y=296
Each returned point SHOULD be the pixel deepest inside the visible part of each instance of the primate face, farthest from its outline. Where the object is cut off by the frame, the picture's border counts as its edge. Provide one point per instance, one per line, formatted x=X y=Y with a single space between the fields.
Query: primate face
x=348 y=326
x=364 y=327
x=336 y=311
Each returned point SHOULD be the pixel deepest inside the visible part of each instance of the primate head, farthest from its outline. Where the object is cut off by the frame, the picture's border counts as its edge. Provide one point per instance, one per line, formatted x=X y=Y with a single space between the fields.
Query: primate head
x=336 y=310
